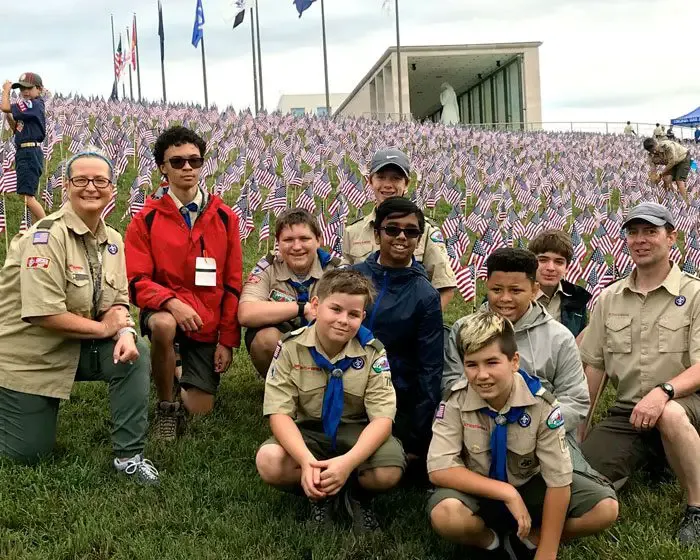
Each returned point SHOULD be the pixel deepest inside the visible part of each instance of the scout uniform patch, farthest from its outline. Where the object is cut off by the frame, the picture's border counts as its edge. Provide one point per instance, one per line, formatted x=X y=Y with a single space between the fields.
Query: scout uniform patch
x=381 y=364
x=555 y=419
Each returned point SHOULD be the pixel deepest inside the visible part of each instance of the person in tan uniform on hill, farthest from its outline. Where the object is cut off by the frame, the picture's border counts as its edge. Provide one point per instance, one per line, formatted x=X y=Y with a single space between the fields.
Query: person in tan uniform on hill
x=389 y=175
x=276 y=296
x=675 y=159
x=644 y=333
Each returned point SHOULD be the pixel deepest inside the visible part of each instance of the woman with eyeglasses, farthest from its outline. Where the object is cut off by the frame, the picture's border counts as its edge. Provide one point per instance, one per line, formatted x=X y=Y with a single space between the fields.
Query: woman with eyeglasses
x=406 y=317
x=185 y=268
x=65 y=317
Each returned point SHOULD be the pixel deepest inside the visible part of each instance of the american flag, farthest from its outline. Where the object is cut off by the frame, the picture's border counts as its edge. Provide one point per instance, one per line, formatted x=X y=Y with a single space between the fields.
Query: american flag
x=466 y=279
x=478 y=258
x=47 y=195
x=3 y=217
x=264 y=229
x=600 y=284
x=276 y=200
x=111 y=205
x=306 y=200
x=8 y=181
x=26 y=222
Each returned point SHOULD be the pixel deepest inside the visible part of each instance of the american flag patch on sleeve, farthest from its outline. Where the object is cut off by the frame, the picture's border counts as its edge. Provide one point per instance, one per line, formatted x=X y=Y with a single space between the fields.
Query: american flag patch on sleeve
x=440 y=412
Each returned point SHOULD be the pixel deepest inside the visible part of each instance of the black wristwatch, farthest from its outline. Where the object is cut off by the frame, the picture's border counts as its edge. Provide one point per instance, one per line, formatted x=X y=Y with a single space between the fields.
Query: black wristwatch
x=302 y=306
x=668 y=389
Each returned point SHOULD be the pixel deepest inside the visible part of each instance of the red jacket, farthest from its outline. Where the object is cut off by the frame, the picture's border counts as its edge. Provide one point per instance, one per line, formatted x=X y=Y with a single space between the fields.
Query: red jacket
x=160 y=263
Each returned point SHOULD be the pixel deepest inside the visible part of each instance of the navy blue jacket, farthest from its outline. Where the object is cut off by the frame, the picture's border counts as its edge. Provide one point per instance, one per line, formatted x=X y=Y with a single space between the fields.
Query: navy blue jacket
x=30 y=116
x=407 y=318
x=573 y=307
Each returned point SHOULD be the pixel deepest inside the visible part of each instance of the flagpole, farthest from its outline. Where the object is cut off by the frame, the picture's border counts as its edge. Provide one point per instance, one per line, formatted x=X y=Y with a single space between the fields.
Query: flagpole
x=325 y=58
x=131 y=85
x=161 y=33
x=255 y=63
x=260 y=72
x=398 y=57
x=204 y=74
x=114 y=53
x=138 y=62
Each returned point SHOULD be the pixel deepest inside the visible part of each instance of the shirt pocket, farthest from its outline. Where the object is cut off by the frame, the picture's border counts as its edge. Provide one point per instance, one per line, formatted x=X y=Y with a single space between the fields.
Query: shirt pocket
x=619 y=334
x=78 y=294
x=312 y=386
x=477 y=444
x=522 y=460
x=354 y=397
x=111 y=288
x=673 y=333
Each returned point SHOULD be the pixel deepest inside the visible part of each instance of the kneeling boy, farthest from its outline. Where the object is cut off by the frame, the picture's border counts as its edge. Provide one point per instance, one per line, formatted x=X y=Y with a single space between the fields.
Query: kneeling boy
x=331 y=405
x=499 y=445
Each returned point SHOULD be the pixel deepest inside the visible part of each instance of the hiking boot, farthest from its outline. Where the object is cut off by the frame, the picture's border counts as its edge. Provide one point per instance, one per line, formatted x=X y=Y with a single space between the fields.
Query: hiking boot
x=139 y=469
x=689 y=532
x=516 y=548
x=360 y=510
x=168 y=416
x=321 y=512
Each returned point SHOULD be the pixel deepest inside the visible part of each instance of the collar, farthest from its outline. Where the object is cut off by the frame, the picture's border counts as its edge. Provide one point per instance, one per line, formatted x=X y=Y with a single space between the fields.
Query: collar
x=520 y=395
x=198 y=199
x=559 y=290
x=672 y=282
x=309 y=338
x=524 y=318
x=368 y=220
x=286 y=273
x=75 y=223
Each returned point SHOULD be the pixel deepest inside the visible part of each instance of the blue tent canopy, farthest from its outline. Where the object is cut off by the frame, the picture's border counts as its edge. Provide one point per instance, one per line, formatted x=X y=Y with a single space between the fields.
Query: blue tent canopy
x=691 y=119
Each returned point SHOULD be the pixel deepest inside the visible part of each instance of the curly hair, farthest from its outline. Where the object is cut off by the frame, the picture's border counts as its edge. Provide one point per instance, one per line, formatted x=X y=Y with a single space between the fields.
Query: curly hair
x=177 y=136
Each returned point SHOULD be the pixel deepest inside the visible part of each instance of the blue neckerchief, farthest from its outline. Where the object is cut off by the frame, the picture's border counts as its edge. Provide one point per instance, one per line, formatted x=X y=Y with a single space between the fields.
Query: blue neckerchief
x=185 y=210
x=303 y=288
x=333 y=397
x=499 y=435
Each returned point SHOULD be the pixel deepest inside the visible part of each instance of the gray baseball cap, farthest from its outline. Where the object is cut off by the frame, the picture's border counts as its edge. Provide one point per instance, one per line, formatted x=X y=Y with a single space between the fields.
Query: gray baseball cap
x=651 y=212
x=390 y=156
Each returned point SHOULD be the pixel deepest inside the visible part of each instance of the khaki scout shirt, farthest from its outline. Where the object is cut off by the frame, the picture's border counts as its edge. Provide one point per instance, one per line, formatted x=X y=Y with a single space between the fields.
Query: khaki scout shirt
x=295 y=385
x=46 y=272
x=553 y=304
x=462 y=436
x=671 y=153
x=643 y=340
x=358 y=244
x=269 y=280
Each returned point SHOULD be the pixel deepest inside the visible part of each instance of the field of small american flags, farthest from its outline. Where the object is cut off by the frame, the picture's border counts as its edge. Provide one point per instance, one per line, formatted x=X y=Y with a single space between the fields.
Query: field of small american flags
x=488 y=189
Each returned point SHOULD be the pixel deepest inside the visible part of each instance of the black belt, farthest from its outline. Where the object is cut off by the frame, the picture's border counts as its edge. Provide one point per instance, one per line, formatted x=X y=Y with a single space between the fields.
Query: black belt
x=29 y=145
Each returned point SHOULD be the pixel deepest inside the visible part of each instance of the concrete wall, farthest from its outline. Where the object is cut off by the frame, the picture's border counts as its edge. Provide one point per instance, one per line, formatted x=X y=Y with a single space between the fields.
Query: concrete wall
x=309 y=102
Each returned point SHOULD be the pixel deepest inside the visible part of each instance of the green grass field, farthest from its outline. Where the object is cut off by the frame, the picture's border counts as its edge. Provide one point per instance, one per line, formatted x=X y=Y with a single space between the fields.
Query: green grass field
x=211 y=504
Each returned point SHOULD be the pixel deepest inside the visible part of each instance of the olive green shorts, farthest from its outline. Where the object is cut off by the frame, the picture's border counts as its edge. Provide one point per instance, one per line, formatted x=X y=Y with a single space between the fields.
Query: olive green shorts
x=586 y=492
x=680 y=171
x=389 y=454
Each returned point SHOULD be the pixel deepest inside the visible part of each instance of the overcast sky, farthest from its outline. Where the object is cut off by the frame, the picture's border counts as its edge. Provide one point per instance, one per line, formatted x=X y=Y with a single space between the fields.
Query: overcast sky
x=600 y=59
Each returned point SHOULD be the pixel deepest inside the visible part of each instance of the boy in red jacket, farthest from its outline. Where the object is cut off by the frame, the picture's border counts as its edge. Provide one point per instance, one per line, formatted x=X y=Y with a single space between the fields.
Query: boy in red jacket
x=184 y=263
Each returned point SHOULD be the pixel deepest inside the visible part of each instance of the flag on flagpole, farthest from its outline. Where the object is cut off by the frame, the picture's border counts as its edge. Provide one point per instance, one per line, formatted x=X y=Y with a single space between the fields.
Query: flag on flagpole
x=161 y=31
x=240 y=6
x=133 y=43
x=26 y=220
x=264 y=229
x=198 y=29
x=119 y=59
x=3 y=218
x=303 y=5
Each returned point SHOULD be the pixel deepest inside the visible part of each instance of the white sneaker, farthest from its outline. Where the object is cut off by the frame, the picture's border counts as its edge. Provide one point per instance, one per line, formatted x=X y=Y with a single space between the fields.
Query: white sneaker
x=140 y=469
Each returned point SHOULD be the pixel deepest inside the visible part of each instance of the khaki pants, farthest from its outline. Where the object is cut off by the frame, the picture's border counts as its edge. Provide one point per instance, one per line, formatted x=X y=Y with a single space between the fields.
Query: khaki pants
x=28 y=422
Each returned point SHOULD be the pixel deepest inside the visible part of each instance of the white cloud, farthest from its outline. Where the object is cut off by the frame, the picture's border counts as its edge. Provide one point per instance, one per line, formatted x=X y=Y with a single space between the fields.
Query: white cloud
x=600 y=59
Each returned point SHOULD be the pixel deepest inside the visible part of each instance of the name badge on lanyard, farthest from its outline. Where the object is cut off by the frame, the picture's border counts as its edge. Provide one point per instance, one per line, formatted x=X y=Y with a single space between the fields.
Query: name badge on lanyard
x=205 y=271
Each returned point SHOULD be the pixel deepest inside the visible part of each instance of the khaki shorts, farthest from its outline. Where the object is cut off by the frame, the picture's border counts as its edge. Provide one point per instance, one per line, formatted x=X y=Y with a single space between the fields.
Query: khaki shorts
x=389 y=454
x=196 y=358
x=680 y=171
x=586 y=492
x=616 y=449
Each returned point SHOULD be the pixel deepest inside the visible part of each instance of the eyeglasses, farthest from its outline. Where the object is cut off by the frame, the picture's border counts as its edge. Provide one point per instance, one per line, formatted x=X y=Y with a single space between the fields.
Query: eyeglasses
x=178 y=162
x=395 y=231
x=82 y=182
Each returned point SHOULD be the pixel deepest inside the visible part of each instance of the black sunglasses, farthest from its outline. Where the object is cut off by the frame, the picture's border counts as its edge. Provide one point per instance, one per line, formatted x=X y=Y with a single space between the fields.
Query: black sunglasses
x=178 y=162
x=395 y=231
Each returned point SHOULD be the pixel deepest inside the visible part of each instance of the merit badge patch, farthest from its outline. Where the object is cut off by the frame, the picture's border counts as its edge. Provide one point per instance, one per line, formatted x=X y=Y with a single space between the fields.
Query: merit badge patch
x=555 y=419
x=358 y=363
x=525 y=420
x=40 y=238
x=680 y=301
x=112 y=249
x=278 y=349
x=381 y=364
x=277 y=295
x=38 y=262
x=440 y=412
x=253 y=279
x=437 y=237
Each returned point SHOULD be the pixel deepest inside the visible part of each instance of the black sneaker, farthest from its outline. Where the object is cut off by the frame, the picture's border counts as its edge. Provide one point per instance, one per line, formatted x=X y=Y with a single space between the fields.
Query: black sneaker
x=360 y=510
x=321 y=512
x=516 y=549
x=689 y=532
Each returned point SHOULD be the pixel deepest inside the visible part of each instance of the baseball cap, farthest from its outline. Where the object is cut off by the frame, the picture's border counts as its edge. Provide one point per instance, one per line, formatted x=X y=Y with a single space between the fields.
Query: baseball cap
x=651 y=212
x=390 y=156
x=28 y=79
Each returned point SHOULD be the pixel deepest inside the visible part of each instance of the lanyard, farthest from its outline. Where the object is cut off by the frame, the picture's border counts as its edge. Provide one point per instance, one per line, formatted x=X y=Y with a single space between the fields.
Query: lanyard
x=96 y=274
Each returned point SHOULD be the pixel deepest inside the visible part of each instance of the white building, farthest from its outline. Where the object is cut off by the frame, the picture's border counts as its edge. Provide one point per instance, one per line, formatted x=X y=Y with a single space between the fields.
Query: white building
x=496 y=84
x=314 y=104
